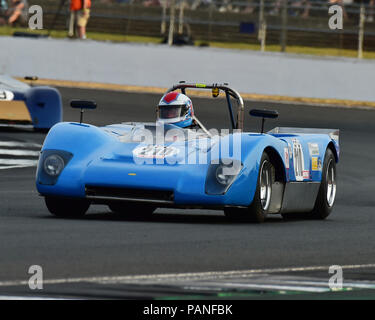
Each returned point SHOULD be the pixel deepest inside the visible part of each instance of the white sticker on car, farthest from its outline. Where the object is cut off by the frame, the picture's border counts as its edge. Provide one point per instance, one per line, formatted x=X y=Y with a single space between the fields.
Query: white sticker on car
x=286 y=157
x=306 y=174
x=155 y=151
x=298 y=160
x=313 y=149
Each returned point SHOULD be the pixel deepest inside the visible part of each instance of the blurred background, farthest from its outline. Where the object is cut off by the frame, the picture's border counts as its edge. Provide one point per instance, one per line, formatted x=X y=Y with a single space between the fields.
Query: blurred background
x=299 y=26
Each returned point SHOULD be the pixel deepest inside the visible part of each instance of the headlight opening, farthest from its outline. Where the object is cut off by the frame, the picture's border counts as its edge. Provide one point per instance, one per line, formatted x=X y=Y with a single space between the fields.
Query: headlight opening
x=53 y=165
x=221 y=176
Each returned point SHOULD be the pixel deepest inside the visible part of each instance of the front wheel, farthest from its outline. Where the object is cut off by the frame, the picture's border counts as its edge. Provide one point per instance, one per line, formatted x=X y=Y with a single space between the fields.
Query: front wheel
x=263 y=193
x=67 y=208
x=257 y=211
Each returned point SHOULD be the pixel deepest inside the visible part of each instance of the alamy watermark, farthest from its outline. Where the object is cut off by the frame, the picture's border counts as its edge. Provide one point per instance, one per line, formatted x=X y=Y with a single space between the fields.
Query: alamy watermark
x=36 y=17
x=335 y=282
x=36 y=279
x=336 y=20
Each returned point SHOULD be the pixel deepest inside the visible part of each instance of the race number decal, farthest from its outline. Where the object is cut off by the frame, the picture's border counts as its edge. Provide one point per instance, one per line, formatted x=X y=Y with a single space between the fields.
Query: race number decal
x=6 y=95
x=298 y=160
x=155 y=151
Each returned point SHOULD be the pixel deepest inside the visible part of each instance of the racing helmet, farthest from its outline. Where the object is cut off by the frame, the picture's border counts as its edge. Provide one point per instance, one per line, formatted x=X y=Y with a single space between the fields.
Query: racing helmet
x=176 y=108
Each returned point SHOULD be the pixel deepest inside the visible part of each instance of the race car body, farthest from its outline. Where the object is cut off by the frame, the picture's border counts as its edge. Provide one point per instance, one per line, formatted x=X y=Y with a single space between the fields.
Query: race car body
x=38 y=107
x=137 y=167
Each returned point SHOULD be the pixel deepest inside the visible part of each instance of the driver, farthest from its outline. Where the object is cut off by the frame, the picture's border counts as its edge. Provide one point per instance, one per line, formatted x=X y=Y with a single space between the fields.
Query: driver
x=176 y=108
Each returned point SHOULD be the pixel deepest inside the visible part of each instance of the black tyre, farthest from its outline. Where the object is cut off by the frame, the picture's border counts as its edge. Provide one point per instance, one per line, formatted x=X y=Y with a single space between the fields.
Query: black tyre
x=262 y=198
x=327 y=192
x=257 y=211
x=132 y=209
x=67 y=208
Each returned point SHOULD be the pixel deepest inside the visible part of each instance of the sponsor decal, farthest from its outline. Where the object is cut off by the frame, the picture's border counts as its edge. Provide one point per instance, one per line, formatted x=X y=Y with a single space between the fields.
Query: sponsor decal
x=316 y=164
x=306 y=174
x=155 y=151
x=6 y=95
x=313 y=149
x=200 y=85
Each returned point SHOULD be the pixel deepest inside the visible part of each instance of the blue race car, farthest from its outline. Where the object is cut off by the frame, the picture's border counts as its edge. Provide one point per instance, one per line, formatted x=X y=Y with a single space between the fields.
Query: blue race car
x=22 y=105
x=176 y=162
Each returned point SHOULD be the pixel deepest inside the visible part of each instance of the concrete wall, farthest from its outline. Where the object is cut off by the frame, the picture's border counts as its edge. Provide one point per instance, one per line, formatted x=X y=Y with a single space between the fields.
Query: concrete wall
x=160 y=65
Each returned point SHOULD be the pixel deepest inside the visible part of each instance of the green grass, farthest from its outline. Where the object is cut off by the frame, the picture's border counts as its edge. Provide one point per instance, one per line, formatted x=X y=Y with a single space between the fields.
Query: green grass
x=98 y=36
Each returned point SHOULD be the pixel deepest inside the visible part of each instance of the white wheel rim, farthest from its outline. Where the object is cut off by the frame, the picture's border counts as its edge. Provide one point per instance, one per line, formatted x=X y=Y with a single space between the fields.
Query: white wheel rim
x=265 y=183
x=331 y=183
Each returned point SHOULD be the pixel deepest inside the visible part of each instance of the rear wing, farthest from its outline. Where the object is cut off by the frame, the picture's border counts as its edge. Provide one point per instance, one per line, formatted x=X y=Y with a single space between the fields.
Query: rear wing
x=333 y=133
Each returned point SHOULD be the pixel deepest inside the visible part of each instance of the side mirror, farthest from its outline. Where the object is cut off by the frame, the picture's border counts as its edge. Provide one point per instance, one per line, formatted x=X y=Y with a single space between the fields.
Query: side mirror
x=82 y=104
x=31 y=78
x=271 y=114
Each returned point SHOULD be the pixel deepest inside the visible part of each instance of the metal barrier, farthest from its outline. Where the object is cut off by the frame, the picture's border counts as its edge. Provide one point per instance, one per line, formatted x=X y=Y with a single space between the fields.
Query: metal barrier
x=278 y=22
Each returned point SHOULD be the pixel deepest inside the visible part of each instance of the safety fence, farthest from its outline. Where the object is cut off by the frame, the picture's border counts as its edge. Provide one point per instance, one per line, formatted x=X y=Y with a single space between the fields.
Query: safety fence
x=277 y=22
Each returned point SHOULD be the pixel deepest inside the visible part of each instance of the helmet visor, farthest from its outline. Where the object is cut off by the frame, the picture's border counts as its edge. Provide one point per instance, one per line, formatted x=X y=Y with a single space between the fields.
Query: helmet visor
x=171 y=112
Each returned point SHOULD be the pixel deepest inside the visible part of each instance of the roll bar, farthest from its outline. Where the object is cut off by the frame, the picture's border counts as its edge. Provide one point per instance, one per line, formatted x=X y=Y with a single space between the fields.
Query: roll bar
x=229 y=92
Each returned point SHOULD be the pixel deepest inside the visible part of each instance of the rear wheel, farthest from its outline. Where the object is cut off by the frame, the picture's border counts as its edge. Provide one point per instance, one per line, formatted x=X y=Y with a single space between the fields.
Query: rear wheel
x=327 y=192
x=67 y=208
x=326 y=195
x=259 y=208
x=132 y=209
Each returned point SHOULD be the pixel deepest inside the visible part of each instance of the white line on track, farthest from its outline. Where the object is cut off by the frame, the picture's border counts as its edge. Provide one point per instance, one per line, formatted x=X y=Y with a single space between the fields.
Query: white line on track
x=18 y=152
x=274 y=287
x=18 y=126
x=29 y=298
x=19 y=144
x=182 y=276
x=11 y=151
x=14 y=167
x=20 y=162
x=358 y=284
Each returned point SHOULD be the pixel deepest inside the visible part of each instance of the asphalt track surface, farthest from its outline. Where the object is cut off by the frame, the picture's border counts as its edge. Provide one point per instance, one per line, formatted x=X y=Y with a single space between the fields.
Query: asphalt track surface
x=188 y=241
